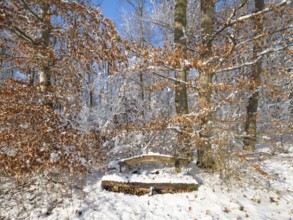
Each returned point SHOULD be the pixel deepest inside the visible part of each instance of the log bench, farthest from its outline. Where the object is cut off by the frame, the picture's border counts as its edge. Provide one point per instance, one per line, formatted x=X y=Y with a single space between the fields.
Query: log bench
x=153 y=183
x=177 y=162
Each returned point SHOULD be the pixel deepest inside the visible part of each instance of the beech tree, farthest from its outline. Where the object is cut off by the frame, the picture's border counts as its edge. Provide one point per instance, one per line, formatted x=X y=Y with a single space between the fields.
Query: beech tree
x=204 y=84
x=62 y=41
x=224 y=56
x=221 y=53
x=181 y=97
x=251 y=112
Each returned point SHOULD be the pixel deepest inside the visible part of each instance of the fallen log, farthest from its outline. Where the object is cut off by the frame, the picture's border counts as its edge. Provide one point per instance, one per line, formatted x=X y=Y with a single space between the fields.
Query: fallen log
x=151 y=158
x=140 y=188
x=140 y=184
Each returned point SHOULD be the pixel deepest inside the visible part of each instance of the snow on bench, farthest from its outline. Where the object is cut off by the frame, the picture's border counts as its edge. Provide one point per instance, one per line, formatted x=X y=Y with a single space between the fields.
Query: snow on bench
x=140 y=184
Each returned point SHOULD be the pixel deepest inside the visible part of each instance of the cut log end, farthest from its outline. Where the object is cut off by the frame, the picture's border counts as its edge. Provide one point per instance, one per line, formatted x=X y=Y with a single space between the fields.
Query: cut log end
x=136 y=188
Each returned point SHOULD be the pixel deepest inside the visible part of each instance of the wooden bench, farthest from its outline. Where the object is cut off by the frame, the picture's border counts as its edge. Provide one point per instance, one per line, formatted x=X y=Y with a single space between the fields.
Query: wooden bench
x=136 y=184
x=177 y=162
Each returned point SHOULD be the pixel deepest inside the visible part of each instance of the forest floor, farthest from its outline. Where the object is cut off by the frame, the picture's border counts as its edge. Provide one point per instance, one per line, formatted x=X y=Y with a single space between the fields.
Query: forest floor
x=254 y=197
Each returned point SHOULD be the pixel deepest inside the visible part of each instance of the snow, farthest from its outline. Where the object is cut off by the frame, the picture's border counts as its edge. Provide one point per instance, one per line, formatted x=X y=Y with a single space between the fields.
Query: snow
x=150 y=178
x=208 y=203
x=54 y=157
x=147 y=154
x=258 y=198
x=8 y=151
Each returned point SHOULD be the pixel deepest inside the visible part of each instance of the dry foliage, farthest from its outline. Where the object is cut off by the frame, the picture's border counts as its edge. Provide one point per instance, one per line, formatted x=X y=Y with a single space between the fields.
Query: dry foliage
x=81 y=40
x=34 y=137
x=79 y=36
x=64 y=40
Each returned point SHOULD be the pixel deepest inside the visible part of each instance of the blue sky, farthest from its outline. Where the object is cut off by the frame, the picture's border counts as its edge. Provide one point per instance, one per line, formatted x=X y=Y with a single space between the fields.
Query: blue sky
x=112 y=9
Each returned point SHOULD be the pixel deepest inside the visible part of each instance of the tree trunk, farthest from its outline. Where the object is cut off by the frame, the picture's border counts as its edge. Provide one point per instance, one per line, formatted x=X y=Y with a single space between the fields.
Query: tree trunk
x=142 y=97
x=181 y=97
x=31 y=74
x=205 y=158
x=251 y=110
x=91 y=92
x=142 y=45
x=45 y=78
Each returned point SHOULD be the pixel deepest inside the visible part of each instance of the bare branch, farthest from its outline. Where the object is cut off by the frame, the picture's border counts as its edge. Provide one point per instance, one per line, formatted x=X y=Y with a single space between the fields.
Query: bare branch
x=23 y=35
x=170 y=78
x=31 y=11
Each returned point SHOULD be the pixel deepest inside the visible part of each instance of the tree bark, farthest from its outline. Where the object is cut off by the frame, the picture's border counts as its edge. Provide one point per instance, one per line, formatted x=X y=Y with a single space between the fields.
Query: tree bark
x=45 y=78
x=139 y=189
x=91 y=92
x=205 y=158
x=142 y=45
x=170 y=160
x=255 y=79
x=181 y=97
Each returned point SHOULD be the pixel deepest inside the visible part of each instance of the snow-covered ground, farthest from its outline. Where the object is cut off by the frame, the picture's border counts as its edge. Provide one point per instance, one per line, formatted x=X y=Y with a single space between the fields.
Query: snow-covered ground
x=255 y=198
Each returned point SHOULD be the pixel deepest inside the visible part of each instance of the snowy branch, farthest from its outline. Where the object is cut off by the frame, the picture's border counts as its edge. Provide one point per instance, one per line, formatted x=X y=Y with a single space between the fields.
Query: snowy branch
x=259 y=56
x=266 y=10
x=231 y=22
x=170 y=78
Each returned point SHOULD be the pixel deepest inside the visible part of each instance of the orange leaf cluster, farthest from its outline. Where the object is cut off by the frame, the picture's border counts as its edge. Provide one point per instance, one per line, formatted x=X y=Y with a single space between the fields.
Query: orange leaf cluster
x=33 y=136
